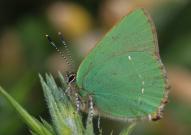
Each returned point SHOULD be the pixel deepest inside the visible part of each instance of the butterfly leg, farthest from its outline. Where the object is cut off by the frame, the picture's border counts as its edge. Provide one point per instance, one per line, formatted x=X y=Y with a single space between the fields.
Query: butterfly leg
x=77 y=102
x=91 y=109
x=98 y=125
x=73 y=96
x=67 y=91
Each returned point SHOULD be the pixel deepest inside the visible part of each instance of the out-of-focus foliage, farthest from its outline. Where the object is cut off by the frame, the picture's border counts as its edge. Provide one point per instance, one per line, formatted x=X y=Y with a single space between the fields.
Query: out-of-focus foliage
x=24 y=52
x=36 y=126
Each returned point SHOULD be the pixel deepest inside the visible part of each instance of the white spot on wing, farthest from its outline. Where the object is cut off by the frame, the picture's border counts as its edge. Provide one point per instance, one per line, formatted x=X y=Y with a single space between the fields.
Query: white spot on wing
x=129 y=57
x=142 y=90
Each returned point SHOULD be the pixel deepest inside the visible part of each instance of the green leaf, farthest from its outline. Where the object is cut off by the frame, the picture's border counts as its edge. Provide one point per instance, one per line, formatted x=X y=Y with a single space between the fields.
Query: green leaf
x=66 y=120
x=62 y=80
x=89 y=125
x=47 y=125
x=129 y=129
x=20 y=91
x=33 y=133
x=33 y=123
x=89 y=128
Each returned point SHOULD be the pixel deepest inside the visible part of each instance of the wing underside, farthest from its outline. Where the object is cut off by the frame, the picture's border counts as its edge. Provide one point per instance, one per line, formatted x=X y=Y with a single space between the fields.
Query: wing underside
x=129 y=85
x=124 y=71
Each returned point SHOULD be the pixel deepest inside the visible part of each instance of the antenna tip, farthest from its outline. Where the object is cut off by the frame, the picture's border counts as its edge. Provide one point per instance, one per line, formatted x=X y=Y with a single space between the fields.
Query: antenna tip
x=47 y=36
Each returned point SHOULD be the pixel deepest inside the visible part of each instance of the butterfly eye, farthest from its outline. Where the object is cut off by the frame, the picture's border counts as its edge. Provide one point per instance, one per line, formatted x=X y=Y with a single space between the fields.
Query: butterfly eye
x=72 y=78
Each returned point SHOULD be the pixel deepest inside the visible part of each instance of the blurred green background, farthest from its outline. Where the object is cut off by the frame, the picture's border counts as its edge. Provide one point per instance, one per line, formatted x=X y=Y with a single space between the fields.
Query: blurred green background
x=25 y=52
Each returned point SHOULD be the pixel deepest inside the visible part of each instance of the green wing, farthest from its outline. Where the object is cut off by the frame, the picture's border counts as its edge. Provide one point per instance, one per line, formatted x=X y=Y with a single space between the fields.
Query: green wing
x=123 y=72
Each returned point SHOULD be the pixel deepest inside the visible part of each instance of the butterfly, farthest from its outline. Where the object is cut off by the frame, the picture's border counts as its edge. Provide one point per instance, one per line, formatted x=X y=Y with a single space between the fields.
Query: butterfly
x=123 y=76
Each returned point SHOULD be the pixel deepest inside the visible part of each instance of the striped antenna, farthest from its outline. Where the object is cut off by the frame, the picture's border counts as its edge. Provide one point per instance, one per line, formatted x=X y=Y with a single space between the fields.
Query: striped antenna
x=68 y=53
x=58 y=50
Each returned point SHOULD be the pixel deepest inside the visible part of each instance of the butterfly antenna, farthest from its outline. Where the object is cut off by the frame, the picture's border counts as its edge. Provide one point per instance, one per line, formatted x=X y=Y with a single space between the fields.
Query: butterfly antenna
x=68 y=53
x=58 y=50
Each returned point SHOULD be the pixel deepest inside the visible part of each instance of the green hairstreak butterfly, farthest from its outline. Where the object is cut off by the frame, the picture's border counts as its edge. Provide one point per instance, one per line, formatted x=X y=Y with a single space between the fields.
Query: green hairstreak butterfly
x=123 y=74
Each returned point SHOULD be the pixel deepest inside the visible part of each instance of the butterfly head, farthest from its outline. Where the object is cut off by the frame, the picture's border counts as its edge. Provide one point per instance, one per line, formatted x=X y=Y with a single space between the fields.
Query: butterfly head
x=71 y=77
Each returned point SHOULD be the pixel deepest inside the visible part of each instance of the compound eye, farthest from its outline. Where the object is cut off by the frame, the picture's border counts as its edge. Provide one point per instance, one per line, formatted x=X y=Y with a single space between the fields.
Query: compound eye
x=72 y=78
